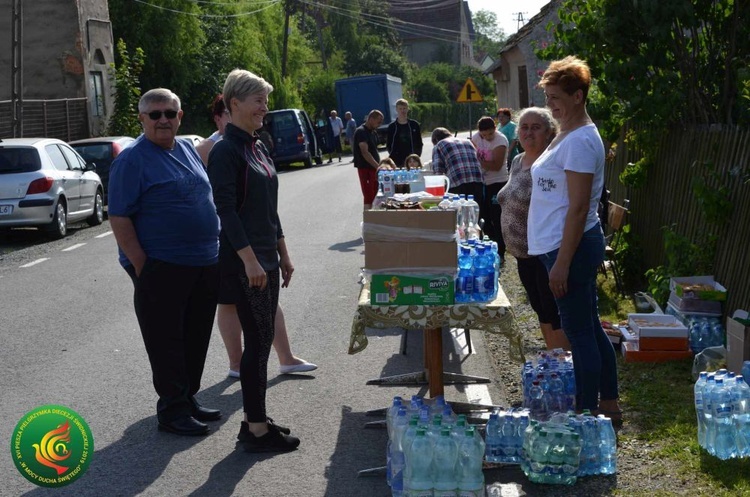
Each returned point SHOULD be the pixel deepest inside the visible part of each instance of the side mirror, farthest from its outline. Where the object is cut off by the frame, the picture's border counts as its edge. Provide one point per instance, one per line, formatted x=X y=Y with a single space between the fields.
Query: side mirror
x=90 y=166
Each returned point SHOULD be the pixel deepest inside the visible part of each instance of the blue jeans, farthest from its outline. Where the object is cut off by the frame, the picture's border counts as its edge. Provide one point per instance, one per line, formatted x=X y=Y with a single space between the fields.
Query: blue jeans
x=594 y=359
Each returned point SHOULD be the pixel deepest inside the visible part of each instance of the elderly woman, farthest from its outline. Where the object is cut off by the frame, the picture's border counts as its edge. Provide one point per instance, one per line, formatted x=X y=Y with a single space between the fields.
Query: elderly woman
x=536 y=129
x=252 y=250
x=565 y=233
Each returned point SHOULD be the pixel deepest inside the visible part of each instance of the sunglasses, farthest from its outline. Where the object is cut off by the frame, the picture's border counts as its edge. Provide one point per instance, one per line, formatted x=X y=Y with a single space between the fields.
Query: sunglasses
x=155 y=115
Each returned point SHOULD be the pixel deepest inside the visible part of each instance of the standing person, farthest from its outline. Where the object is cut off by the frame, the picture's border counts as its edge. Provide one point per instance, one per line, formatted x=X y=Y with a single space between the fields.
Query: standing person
x=536 y=129
x=337 y=126
x=404 y=136
x=160 y=182
x=366 y=156
x=565 y=233
x=492 y=147
x=508 y=128
x=226 y=315
x=457 y=159
x=252 y=249
x=350 y=128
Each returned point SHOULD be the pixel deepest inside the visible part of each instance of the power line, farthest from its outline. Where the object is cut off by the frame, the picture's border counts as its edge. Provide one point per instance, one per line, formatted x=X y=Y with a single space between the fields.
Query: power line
x=270 y=3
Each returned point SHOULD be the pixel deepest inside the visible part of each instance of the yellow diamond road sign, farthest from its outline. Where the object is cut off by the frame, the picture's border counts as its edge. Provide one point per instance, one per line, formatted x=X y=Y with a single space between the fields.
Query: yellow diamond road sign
x=469 y=93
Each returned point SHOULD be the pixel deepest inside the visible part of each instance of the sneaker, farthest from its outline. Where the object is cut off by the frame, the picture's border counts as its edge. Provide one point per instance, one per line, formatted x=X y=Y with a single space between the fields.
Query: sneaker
x=273 y=441
x=273 y=426
x=233 y=374
x=303 y=367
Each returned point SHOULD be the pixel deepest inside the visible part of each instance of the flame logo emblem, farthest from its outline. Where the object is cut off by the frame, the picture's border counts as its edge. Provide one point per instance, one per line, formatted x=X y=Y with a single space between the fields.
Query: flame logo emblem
x=53 y=448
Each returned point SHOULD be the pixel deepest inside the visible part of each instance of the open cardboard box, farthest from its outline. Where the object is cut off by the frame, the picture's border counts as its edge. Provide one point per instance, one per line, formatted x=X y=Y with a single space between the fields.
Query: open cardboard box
x=633 y=353
x=659 y=332
x=717 y=293
x=738 y=341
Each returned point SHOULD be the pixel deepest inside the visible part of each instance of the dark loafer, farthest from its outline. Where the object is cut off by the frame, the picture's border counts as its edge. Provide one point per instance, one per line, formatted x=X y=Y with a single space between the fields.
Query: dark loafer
x=188 y=426
x=204 y=414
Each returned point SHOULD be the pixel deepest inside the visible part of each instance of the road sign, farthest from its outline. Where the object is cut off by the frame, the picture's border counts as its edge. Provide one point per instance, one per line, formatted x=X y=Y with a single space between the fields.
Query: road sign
x=469 y=93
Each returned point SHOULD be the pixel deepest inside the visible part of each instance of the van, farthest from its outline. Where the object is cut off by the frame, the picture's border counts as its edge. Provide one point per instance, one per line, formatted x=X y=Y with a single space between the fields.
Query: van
x=292 y=137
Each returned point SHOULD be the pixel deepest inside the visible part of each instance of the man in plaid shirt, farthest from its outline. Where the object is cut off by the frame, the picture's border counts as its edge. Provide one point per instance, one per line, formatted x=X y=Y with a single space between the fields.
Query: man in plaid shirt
x=457 y=159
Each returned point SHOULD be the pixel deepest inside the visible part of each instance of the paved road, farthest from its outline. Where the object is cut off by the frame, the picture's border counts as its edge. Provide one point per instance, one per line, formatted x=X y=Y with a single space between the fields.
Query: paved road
x=69 y=336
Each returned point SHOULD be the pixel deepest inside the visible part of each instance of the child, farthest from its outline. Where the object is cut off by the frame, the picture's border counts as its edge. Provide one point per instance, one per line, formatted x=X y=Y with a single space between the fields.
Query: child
x=387 y=164
x=413 y=162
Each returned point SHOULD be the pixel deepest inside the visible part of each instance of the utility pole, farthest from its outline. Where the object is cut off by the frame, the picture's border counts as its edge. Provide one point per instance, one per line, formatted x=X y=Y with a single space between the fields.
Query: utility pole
x=520 y=21
x=16 y=68
x=287 y=13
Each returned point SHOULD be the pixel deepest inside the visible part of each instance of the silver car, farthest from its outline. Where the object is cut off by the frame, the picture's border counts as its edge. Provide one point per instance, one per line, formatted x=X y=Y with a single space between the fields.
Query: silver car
x=45 y=183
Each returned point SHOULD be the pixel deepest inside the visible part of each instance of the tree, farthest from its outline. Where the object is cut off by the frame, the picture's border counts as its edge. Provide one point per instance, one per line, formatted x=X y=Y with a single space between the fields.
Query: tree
x=124 y=120
x=490 y=37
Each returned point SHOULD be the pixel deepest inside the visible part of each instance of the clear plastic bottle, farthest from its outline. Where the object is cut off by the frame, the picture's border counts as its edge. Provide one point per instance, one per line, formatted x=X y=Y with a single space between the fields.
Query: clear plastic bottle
x=400 y=425
x=741 y=413
x=445 y=204
x=469 y=468
x=418 y=479
x=471 y=216
x=721 y=403
x=746 y=371
x=483 y=284
x=537 y=409
x=589 y=447
x=556 y=394
x=700 y=385
x=571 y=458
x=492 y=439
x=708 y=420
x=507 y=439
x=444 y=458
x=465 y=278
x=607 y=446
x=556 y=458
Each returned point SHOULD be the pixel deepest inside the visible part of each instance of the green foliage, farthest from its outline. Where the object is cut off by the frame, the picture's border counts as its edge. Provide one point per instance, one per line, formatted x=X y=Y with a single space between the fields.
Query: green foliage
x=452 y=115
x=124 y=120
x=441 y=82
x=320 y=93
x=714 y=201
x=635 y=173
x=489 y=35
x=629 y=257
x=376 y=59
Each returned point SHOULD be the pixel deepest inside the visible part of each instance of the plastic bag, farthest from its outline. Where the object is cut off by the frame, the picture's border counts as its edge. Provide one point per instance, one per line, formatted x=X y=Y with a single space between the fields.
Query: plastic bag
x=711 y=359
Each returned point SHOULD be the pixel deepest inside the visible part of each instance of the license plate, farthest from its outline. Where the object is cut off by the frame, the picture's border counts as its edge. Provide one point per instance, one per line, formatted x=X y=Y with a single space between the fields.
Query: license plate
x=6 y=210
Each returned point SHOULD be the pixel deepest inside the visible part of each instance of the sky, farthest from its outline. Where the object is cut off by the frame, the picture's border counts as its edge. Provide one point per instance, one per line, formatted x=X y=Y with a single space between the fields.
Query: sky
x=506 y=11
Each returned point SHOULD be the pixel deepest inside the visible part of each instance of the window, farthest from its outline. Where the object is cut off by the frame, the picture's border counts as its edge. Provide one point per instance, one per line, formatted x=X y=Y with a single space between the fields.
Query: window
x=75 y=162
x=96 y=93
x=58 y=160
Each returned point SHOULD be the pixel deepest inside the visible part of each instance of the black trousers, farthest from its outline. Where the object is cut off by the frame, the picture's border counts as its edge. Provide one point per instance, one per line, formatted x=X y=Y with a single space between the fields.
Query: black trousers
x=256 y=310
x=175 y=306
x=492 y=213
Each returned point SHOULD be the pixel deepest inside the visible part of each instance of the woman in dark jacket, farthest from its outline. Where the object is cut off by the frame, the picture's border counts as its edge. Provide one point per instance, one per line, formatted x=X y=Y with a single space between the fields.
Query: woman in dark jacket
x=253 y=257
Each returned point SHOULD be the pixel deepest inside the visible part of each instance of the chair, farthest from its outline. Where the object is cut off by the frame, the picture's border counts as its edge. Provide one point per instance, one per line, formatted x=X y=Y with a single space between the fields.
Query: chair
x=615 y=221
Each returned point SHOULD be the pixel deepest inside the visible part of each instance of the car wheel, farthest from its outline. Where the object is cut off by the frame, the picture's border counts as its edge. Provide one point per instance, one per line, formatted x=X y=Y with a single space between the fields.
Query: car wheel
x=97 y=217
x=58 y=228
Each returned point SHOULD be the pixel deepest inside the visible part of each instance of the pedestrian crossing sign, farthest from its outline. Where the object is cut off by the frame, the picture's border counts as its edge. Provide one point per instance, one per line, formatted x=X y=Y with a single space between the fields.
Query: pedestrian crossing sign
x=469 y=93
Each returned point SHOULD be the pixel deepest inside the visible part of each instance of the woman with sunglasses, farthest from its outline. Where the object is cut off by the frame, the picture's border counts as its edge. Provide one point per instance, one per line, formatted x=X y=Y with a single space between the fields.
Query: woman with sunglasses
x=253 y=257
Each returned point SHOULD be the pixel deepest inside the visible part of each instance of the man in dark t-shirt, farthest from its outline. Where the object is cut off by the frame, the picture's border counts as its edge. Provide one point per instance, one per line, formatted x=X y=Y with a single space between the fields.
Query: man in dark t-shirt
x=404 y=135
x=366 y=156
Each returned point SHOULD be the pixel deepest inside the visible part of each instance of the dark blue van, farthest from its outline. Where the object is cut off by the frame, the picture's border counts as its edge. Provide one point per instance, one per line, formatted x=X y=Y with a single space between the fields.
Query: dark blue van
x=292 y=137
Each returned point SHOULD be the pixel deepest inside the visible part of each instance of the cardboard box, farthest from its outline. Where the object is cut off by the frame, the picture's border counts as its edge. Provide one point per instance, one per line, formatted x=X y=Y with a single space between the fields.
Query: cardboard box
x=657 y=326
x=738 y=341
x=693 y=306
x=409 y=226
x=632 y=353
x=718 y=292
x=663 y=343
x=400 y=289
x=396 y=255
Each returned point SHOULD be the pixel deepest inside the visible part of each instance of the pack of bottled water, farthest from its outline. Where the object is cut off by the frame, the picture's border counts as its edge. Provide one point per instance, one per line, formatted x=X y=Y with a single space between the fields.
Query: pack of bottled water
x=568 y=446
x=705 y=332
x=722 y=406
x=549 y=384
x=504 y=436
x=478 y=271
x=432 y=452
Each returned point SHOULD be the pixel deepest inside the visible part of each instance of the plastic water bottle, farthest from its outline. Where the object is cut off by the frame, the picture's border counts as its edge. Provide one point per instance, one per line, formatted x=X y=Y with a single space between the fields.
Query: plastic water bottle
x=538 y=470
x=557 y=394
x=746 y=371
x=723 y=443
x=465 y=278
x=418 y=480
x=398 y=426
x=469 y=467
x=507 y=439
x=607 y=446
x=708 y=421
x=589 y=447
x=492 y=439
x=445 y=204
x=520 y=423
x=407 y=439
x=397 y=459
x=471 y=216
x=483 y=284
x=537 y=409
x=444 y=459
x=700 y=385
x=741 y=412
x=388 y=183
x=391 y=413
x=449 y=417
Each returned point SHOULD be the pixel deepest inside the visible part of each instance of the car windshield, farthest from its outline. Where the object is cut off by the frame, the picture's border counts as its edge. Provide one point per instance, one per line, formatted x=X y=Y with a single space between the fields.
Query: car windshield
x=19 y=160
x=99 y=153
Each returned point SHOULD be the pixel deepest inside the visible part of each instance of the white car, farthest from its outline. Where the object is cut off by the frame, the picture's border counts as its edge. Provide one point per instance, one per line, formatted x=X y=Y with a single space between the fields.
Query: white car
x=45 y=183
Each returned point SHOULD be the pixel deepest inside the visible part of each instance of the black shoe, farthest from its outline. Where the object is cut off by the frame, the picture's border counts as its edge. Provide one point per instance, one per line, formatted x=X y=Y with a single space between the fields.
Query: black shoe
x=204 y=414
x=187 y=425
x=273 y=441
x=273 y=426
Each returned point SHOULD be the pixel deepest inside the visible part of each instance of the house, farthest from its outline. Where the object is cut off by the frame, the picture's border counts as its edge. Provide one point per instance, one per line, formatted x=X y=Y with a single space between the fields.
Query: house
x=434 y=30
x=56 y=56
x=517 y=70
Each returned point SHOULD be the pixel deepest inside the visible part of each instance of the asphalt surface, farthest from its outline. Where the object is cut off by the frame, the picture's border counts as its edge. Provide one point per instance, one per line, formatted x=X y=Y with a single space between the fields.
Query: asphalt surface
x=70 y=337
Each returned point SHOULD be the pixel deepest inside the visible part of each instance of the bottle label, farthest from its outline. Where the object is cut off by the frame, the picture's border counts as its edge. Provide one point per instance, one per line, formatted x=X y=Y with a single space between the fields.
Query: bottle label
x=465 y=284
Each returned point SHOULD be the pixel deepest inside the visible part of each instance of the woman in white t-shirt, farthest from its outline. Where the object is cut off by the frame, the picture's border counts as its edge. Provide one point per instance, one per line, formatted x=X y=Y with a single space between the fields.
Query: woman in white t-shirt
x=565 y=233
x=492 y=150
